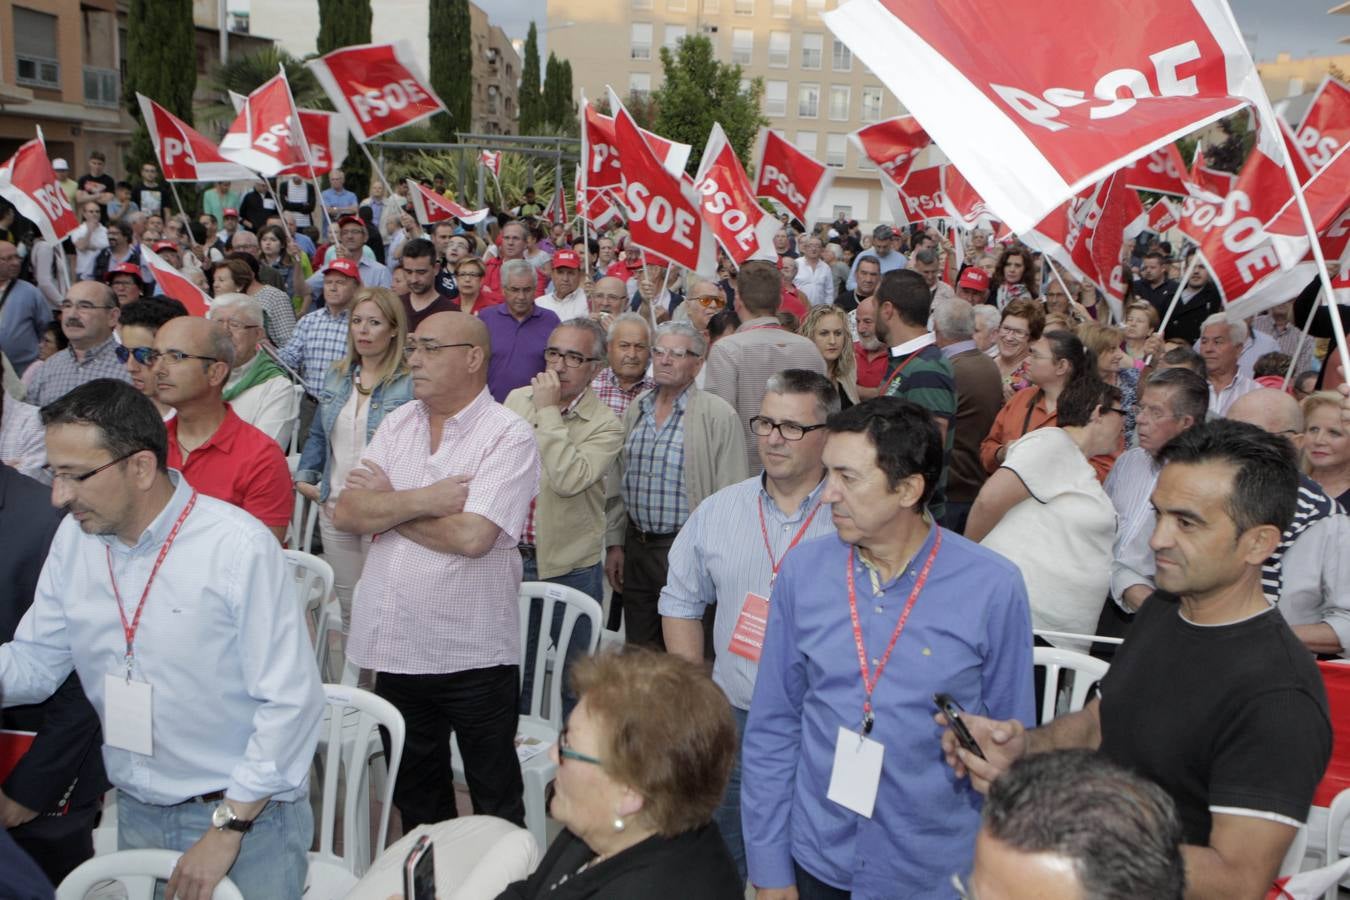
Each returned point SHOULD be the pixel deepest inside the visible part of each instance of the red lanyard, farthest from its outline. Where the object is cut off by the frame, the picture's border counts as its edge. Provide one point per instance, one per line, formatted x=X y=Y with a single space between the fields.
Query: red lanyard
x=896 y=374
x=870 y=681
x=764 y=530
x=129 y=628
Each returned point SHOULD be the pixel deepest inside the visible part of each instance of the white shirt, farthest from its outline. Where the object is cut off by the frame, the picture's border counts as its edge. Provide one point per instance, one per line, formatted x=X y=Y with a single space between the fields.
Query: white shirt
x=23 y=442
x=1221 y=401
x=85 y=259
x=269 y=407
x=222 y=644
x=573 y=306
x=816 y=285
x=1130 y=485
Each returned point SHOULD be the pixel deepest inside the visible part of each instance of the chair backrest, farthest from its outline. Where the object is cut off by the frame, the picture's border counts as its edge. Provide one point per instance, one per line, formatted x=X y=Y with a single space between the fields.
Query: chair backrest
x=1336 y=678
x=577 y=605
x=312 y=580
x=354 y=716
x=1084 y=670
x=297 y=394
x=137 y=870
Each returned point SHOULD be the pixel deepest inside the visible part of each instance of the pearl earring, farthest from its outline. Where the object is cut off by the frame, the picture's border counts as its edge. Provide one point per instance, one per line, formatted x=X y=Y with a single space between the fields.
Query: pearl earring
x=618 y=824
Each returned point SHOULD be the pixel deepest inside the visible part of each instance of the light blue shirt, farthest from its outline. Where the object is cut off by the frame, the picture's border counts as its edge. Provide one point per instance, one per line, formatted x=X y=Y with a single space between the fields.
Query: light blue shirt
x=969 y=635
x=889 y=263
x=719 y=557
x=236 y=695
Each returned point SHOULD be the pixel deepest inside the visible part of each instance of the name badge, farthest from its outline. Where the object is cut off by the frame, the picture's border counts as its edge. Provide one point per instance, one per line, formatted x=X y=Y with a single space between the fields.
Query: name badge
x=857 y=772
x=747 y=640
x=126 y=715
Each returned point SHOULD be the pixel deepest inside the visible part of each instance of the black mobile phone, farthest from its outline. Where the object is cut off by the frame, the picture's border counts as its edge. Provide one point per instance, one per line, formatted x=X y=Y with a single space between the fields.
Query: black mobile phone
x=952 y=710
x=419 y=871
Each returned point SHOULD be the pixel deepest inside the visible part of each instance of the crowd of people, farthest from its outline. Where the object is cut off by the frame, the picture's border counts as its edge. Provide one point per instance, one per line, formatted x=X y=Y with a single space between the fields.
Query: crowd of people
x=813 y=492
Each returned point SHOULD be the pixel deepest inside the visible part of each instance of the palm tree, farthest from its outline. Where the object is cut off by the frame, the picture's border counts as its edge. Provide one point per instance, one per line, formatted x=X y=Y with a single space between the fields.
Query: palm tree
x=246 y=73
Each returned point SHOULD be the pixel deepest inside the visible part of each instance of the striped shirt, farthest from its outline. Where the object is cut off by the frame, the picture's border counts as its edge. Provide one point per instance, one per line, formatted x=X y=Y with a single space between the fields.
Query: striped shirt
x=1313 y=504
x=720 y=556
x=320 y=339
x=612 y=394
x=1130 y=485
x=1287 y=340
x=920 y=373
x=653 y=479
x=62 y=372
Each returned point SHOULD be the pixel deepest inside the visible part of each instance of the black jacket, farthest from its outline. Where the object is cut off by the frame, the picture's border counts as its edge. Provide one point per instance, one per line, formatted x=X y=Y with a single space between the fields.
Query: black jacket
x=690 y=865
x=1191 y=314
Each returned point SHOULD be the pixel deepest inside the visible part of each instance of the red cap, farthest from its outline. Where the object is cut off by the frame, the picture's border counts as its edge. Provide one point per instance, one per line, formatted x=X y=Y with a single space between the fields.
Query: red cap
x=231 y=211
x=974 y=278
x=343 y=267
x=351 y=220
x=125 y=268
x=566 y=259
x=162 y=246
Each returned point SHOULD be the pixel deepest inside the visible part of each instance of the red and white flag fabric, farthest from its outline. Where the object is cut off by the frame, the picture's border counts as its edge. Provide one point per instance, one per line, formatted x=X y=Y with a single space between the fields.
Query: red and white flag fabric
x=184 y=153
x=962 y=202
x=596 y=206
x=430 y=207
x=789 y=177
x=663 y=216
x=743 y=227
x=892 y=145
x=1029 y=130
x=175 y=284
x=376 y=87
x=1328 y=197
x=1310 y=885
x=1326 y=125
x=1161 y=216
x=600 y=154
x=491 y=161
x=1210 y=182
x=260 y=136
x=556 y=210
x=326 y=135
x=27 y=181
x=919 y=199
x=1162 y=171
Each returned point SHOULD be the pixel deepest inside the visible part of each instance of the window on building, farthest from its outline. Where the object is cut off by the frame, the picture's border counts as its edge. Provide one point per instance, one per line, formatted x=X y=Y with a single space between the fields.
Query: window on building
x=742 y=46
x=780 y=48
x=808 y=100
x=782 y=9
x=836 y=150
x=642 y=4
x=775 y=98
x=806 y=142
x=842 y=58
x=35 y=54
x=712 y=6
x=815 y=7
x=871 y=104
x=743 y=7
x=839 y=103
x=811 y=48
x=677 y=5
x=641 y=42
x=673 y=35
x=639 y=84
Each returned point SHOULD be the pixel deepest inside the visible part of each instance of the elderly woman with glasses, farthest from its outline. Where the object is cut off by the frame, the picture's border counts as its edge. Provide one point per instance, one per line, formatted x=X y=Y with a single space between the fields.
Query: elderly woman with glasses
x=361 y=389
x=1020 y=325
x=642 y=764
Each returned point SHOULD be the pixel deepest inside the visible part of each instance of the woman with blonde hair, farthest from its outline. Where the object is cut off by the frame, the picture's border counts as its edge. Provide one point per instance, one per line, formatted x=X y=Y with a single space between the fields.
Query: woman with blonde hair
x=1326 y=445
x=828 y=327
x=361 y=389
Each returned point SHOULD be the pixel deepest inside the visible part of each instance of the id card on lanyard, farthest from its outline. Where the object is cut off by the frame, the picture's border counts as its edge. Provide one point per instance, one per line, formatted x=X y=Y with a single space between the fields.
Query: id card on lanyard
x=747 y=639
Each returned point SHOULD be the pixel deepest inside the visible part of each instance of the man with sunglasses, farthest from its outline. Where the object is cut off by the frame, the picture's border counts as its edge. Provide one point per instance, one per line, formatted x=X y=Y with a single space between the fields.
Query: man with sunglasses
x=705 y=301
x=138 y=324
x=88 y=313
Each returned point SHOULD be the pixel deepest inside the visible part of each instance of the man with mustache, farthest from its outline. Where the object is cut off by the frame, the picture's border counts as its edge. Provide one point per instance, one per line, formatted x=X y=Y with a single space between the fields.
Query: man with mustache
x=88 y=315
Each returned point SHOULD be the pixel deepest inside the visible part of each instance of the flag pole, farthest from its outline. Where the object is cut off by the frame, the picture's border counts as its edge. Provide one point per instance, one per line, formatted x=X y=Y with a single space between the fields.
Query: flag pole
x=182 y=214
x=281 y=213
x=299 y=127
x=1181 y=286
x=375 y=167
x=1298 y=348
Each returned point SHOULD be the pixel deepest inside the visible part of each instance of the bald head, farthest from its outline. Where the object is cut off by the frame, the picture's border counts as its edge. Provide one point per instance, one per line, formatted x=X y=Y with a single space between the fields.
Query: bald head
x=452 y=327
x=446 y=374
x=1270 y=410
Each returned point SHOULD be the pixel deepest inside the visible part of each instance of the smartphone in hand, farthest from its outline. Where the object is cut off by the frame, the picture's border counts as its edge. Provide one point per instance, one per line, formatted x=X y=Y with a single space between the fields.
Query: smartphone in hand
x=952 y=710
x=419 y=871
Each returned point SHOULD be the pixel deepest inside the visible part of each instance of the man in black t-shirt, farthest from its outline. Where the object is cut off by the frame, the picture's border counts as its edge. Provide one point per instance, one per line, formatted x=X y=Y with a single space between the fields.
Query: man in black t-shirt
x=150 y=195
x=1211 y=695
x=97 y=185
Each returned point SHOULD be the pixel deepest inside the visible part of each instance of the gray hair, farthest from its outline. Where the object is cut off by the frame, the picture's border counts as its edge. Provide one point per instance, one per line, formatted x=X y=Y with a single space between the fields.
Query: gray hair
x=247 y=306
x=1237 y=331
x=954 y=319
x=514 y=267
x=804 y=381
x=928 y=256
x=222 y=348
x=986 y=316
x=629 y=317
x=683 y=329
x=599 y=346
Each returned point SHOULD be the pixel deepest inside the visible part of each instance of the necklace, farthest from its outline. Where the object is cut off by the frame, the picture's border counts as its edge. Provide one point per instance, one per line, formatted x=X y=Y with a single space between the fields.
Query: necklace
x=361 y=389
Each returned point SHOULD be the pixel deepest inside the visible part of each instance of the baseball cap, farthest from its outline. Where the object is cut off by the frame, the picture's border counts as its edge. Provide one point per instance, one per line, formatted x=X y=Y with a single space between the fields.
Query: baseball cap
x=230 y=212
x=125 y=268
x=162 y=246
x=974 y=278
x=60 y=165
x=351 y=220
x=566 y=259
x=883 y=233
x=343 y=267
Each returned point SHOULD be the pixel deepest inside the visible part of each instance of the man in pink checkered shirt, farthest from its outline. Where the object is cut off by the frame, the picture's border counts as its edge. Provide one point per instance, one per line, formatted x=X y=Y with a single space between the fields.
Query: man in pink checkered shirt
x=444 y=486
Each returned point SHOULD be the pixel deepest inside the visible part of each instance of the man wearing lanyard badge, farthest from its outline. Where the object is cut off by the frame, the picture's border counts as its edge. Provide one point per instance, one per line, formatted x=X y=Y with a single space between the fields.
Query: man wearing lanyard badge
x=716 y=560
x=168 y=603
x=844 y=792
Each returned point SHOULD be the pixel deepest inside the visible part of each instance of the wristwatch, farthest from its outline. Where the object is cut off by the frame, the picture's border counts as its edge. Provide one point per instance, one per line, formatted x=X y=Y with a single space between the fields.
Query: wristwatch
x=224 y=819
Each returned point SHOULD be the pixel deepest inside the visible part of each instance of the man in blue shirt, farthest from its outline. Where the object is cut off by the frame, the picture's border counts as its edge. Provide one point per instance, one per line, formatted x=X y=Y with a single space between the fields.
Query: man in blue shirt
x=337 y=199
x=884 y=250
x=844 y=791
x=24 y=312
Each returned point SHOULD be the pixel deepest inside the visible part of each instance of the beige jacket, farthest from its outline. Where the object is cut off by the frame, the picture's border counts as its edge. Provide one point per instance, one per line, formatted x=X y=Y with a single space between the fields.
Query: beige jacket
x=575 y=453
x=714 y=456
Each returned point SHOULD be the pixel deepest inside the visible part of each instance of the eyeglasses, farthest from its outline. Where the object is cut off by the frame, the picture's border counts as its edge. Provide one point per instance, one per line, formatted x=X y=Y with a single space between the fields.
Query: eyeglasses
x=567 y=752
x=1013 y=332
x=235 y=325
x=428 y=348
x=173 y=356
x=711 y=301
x=83 y=306
x=570 y=359
x=672 y=353
x=142 y=355
x=1117 y=410
x=789 y=431
x=80 y=479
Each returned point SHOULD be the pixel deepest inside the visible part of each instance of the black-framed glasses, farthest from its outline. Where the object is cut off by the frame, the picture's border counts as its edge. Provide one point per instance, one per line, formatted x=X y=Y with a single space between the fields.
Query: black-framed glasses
x=567 y=752
x=570 y=358
x=1117 y=410
x=789 y=431
x=428 y=347
x=173 y=356
x=80 y=479
x=142 y=355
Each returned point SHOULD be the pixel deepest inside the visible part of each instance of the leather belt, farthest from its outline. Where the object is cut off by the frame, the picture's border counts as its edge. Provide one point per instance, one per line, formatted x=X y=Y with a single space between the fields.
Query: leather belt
x=213 y=797
x=649 y=537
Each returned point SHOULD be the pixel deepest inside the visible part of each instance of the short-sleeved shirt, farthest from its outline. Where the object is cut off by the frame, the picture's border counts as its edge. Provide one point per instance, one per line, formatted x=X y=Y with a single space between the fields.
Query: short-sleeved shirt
x=441 y=304
x=925 y=377
x=517 y=347
x=240 y=465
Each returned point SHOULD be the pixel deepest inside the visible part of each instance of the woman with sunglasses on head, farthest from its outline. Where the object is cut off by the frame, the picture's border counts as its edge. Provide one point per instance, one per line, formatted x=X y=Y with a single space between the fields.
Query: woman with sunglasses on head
x=138 y=323
x=828 y=327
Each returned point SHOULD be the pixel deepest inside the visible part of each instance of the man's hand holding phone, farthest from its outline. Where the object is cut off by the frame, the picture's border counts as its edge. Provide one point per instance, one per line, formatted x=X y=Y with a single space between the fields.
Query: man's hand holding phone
x=1002 y=743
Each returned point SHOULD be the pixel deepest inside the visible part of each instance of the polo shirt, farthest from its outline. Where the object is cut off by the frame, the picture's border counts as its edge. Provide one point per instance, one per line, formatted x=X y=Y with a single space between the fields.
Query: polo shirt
x=240 y=465
x=871 y=371
x=517 y=347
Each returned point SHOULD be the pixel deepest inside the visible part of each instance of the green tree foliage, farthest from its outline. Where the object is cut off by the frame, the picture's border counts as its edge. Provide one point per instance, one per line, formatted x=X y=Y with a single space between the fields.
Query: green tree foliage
x=530 y=101
x=343 y=23
x=552 y=85
x=565 y=117
x=698 y=90
x=452 y=65
x=246 y=73
x=161 y=64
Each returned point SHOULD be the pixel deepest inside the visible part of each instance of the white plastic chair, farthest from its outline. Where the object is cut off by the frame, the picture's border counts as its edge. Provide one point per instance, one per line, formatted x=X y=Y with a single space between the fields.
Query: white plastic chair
x=312 y=579
x=354 y=717
x=297 y=394
x=542 y=723
x=137 y=870
x=476 y=858
x=1084 y=671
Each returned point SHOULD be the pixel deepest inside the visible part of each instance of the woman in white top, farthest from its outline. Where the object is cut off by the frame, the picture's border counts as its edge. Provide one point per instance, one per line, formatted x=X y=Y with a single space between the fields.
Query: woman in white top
x=1045 y=510
x=89 y=239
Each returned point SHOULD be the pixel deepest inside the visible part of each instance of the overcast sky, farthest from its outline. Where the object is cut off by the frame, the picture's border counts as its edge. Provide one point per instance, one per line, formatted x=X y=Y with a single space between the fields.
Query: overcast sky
x=1301 y=27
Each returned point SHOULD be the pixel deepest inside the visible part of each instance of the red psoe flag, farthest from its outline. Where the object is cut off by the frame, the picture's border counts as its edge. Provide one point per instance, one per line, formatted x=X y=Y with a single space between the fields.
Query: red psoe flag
x=1161 y=216
x=1161 y=171
x=787 y=175
x=919 y=199
x=1326 y=125
x=962 y=201
x=743 y=227
x=892 y=145
x=326 y=134
x=430 y=207
x=184 y=153
x=1029 y=130
x=376 y=87
x=260 y=136
x=175 y=284
x=27 y=181
x=600 y=155
x=491 y=161
x=1328 y=197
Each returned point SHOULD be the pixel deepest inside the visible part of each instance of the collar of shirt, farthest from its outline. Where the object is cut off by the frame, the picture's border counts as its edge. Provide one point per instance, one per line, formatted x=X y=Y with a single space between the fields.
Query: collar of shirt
x=648 y=400
x=804 y=508
x=913 y=345
x=575 y=406
x=879 y=584
x=223 y=437
x=499 y=309
x=94 y=352
x=158 y=530
x=466 y=417
x=958 y=348
x=328 y=313
x=611 y=379
x=759 y=322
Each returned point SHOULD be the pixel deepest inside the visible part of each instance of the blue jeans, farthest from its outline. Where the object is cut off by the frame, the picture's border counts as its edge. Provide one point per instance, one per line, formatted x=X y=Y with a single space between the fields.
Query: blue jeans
x=590 y=581
x=728 y=815
x=273 y=857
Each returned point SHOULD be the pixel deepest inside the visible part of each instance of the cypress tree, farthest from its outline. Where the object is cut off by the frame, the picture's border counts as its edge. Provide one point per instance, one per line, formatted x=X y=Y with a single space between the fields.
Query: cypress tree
x=161 y=64
x=530 y=100
x=450 y=39
x=344 y=23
